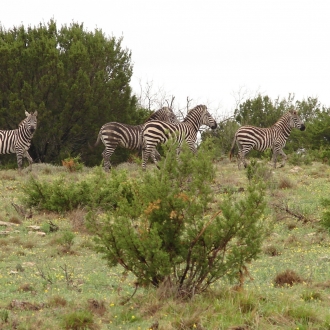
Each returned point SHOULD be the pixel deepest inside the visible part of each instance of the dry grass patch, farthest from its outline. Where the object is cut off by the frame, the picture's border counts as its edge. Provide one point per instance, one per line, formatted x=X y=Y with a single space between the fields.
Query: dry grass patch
x=7 y=176
x=28 y=245
x=271 y=250
x=77 y=220
x=15 y=220
x=96 y=307
x=292 y=240
x=57 y=301
x=291 y=225
x=287 y=278
x=285 y=183
x=26 y=287
x=3 y=242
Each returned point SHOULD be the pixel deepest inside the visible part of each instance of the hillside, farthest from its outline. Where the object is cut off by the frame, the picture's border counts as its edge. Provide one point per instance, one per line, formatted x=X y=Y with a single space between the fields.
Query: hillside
x=51 y=278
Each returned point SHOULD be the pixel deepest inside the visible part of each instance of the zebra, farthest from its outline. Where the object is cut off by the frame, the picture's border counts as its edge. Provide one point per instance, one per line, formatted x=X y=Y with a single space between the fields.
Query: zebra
x=18 y=140
x=274 y=137
x=155 y=132
x=116 y=134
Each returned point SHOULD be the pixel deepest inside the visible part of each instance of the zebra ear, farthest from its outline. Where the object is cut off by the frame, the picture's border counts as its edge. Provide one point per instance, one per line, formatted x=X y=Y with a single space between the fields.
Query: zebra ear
x=26 y=113
x=36 y=113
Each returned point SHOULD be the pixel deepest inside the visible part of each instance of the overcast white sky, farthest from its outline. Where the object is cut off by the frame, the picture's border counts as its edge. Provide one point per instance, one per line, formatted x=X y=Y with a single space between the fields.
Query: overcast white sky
x=209 y=51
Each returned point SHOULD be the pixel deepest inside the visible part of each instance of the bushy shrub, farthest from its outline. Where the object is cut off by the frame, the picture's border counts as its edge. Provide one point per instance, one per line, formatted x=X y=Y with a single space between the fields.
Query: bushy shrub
x=65 y=193
x=298 y=159
x=168 y=230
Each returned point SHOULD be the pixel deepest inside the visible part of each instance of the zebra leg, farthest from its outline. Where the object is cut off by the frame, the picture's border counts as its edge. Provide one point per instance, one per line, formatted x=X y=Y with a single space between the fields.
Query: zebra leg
x=241 y=159
x=30 y=160
x=284 y=156
x=19 y=156
x=146 y=153
x=154 y=155
x=240 y=156
x=106 y=160
x=107 y=153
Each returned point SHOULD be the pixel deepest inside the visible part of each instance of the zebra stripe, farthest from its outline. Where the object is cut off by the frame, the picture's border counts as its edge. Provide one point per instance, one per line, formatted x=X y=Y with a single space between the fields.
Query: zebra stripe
x=156 y=132
x=18 y=141
x=116 y=134
x=274 y=137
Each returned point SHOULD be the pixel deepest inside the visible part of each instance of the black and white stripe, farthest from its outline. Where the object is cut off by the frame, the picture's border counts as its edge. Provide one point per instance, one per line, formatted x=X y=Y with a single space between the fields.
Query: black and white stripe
x=18 y=141
x=156 y=132
x=274 y=137
x=116 y=134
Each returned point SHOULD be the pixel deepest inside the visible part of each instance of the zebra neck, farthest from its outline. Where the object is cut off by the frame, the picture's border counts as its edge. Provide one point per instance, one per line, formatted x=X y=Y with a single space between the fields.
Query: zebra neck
x=191 y=122
x=22 y=131
x=284 y=128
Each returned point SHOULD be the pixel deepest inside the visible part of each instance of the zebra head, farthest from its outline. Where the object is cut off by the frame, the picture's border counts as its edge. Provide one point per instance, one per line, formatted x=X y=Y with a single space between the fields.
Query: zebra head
x=295 y=120
x=206 y=118
x=30 y=121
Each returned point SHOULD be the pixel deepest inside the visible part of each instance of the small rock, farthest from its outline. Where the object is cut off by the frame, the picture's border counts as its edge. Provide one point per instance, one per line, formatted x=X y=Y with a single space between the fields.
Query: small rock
x=7 y=224
x=13 y=272
x=34 y=227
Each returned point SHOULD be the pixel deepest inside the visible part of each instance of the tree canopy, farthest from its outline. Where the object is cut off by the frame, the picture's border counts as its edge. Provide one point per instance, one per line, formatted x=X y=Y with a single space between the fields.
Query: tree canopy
x=76 y=79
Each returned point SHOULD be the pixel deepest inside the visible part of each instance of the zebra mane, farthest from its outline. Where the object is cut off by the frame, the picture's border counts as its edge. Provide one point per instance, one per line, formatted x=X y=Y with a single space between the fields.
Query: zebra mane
x=22 y=122
x=286 y=116
x=154 y=115
x=196 y=108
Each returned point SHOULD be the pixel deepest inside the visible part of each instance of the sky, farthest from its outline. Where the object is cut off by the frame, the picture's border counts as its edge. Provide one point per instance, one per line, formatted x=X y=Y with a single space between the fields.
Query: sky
x=216 y=53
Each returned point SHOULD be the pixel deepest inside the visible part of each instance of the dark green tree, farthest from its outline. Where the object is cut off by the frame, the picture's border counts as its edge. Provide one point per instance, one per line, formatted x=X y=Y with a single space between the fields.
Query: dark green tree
x=76 y=79
x=260 y=111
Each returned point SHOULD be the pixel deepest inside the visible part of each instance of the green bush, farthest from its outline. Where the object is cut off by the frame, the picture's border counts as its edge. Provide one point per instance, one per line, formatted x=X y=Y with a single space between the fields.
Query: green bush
x=168 y=231
x=300 y=159
x=65 y=193
x=67 y=239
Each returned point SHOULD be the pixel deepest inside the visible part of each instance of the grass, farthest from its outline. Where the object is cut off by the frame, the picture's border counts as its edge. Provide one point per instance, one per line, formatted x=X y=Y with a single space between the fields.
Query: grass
x=57 y=281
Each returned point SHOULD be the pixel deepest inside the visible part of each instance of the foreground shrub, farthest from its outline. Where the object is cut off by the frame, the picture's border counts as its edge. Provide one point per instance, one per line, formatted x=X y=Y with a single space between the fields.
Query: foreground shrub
x=167 y=230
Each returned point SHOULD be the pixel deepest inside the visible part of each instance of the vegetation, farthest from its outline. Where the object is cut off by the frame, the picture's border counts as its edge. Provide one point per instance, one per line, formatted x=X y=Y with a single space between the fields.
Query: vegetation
x=76 y=79
x=59 y=281
x=165 y=231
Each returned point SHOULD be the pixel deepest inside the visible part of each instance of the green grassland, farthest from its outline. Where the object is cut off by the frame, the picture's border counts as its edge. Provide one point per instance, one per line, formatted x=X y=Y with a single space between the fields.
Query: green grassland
x=57 y=281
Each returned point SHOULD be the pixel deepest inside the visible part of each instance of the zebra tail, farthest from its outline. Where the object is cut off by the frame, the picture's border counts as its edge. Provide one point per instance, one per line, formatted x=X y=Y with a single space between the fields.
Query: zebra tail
x=231 y=153
x=91 y=148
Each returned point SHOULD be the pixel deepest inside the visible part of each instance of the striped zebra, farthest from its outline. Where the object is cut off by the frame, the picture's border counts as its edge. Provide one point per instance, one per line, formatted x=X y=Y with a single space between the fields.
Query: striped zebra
x=155 y=132
x=115 y=134
x=274 y=137
x=18 y=141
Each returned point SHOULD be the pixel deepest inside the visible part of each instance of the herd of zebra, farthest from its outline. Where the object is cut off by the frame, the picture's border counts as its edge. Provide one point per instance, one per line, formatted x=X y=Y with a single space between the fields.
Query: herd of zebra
x=162 y=125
